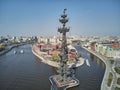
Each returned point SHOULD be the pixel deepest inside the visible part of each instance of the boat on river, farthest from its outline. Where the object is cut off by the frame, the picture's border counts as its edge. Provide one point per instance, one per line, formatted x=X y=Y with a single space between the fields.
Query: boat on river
x=21 y=51
x=87 y=62
x=15 y=52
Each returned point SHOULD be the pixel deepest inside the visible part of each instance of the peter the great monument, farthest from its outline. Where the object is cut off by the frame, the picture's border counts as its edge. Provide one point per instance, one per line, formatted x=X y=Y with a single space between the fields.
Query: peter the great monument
x=65 y=77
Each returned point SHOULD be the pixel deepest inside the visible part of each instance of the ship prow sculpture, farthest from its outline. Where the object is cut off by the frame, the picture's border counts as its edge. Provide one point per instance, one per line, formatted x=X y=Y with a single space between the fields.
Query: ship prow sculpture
x=65 y=77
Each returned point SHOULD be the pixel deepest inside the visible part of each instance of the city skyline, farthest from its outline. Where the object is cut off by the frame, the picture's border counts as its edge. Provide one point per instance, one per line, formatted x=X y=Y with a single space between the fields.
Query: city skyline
x=35 y=18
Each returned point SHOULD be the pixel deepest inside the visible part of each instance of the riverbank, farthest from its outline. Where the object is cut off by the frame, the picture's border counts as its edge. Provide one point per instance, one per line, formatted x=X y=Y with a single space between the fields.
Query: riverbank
x=9 y=48
x=42 y=56
x=107 y=71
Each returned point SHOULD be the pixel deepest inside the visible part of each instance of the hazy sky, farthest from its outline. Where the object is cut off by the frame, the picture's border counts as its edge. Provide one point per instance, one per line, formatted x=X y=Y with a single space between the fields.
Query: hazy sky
x=40 y=17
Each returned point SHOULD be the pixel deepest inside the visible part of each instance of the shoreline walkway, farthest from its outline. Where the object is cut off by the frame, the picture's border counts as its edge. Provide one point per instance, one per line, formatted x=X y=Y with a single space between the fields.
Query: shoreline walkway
x=109 y=68
x=37 y=53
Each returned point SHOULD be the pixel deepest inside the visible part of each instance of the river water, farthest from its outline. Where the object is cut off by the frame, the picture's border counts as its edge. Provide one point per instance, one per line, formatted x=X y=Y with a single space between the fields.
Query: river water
x=27 y=72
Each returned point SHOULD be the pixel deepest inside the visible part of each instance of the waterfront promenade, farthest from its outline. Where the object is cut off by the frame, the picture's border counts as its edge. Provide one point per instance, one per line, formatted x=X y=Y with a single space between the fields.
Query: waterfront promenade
x=46 y=60
x=37 y=53
x=109 y=68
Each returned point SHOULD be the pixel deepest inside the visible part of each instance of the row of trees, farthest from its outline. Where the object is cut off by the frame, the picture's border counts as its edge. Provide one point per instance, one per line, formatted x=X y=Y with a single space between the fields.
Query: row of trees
x=2 y=47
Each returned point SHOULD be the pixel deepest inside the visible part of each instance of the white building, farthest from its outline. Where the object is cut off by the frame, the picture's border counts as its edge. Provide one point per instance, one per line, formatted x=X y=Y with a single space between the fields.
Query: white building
x=108 y=51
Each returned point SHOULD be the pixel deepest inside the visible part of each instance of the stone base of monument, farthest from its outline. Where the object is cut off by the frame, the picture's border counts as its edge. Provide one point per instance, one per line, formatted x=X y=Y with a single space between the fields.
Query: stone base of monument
x=60 y=85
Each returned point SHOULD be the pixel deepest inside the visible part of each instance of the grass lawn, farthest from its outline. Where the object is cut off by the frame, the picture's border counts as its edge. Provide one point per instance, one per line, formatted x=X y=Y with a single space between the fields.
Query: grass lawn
x=117 y=88
x=110 y=79
x=118 y=81
x=111 y=61
x=117 y=69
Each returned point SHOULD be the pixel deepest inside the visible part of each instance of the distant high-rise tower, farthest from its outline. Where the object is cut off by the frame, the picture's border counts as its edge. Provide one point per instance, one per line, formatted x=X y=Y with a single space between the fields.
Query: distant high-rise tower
x=64 y=79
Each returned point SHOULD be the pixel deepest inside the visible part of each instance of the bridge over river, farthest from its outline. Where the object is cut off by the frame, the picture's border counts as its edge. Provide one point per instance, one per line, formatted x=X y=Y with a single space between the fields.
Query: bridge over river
x=26 y=72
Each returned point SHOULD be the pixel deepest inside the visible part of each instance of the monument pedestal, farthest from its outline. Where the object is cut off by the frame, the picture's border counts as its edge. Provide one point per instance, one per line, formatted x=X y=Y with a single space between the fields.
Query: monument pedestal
x=61 y=85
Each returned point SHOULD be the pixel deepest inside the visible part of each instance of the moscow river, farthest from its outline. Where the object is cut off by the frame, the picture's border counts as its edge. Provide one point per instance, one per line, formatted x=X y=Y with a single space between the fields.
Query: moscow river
x=26 y=72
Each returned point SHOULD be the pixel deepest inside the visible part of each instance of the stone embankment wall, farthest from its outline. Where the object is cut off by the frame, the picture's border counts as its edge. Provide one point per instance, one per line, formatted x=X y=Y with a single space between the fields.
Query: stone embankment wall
x=9 y=48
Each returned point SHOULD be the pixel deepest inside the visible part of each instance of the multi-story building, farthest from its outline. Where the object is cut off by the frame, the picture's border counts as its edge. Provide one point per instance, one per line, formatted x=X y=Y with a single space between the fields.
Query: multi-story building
x=52 y=40
x=108 y=50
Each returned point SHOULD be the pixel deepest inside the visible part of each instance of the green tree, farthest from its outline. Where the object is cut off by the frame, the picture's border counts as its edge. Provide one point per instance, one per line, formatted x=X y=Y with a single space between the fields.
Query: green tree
x=2 y=47
x=55 y=56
